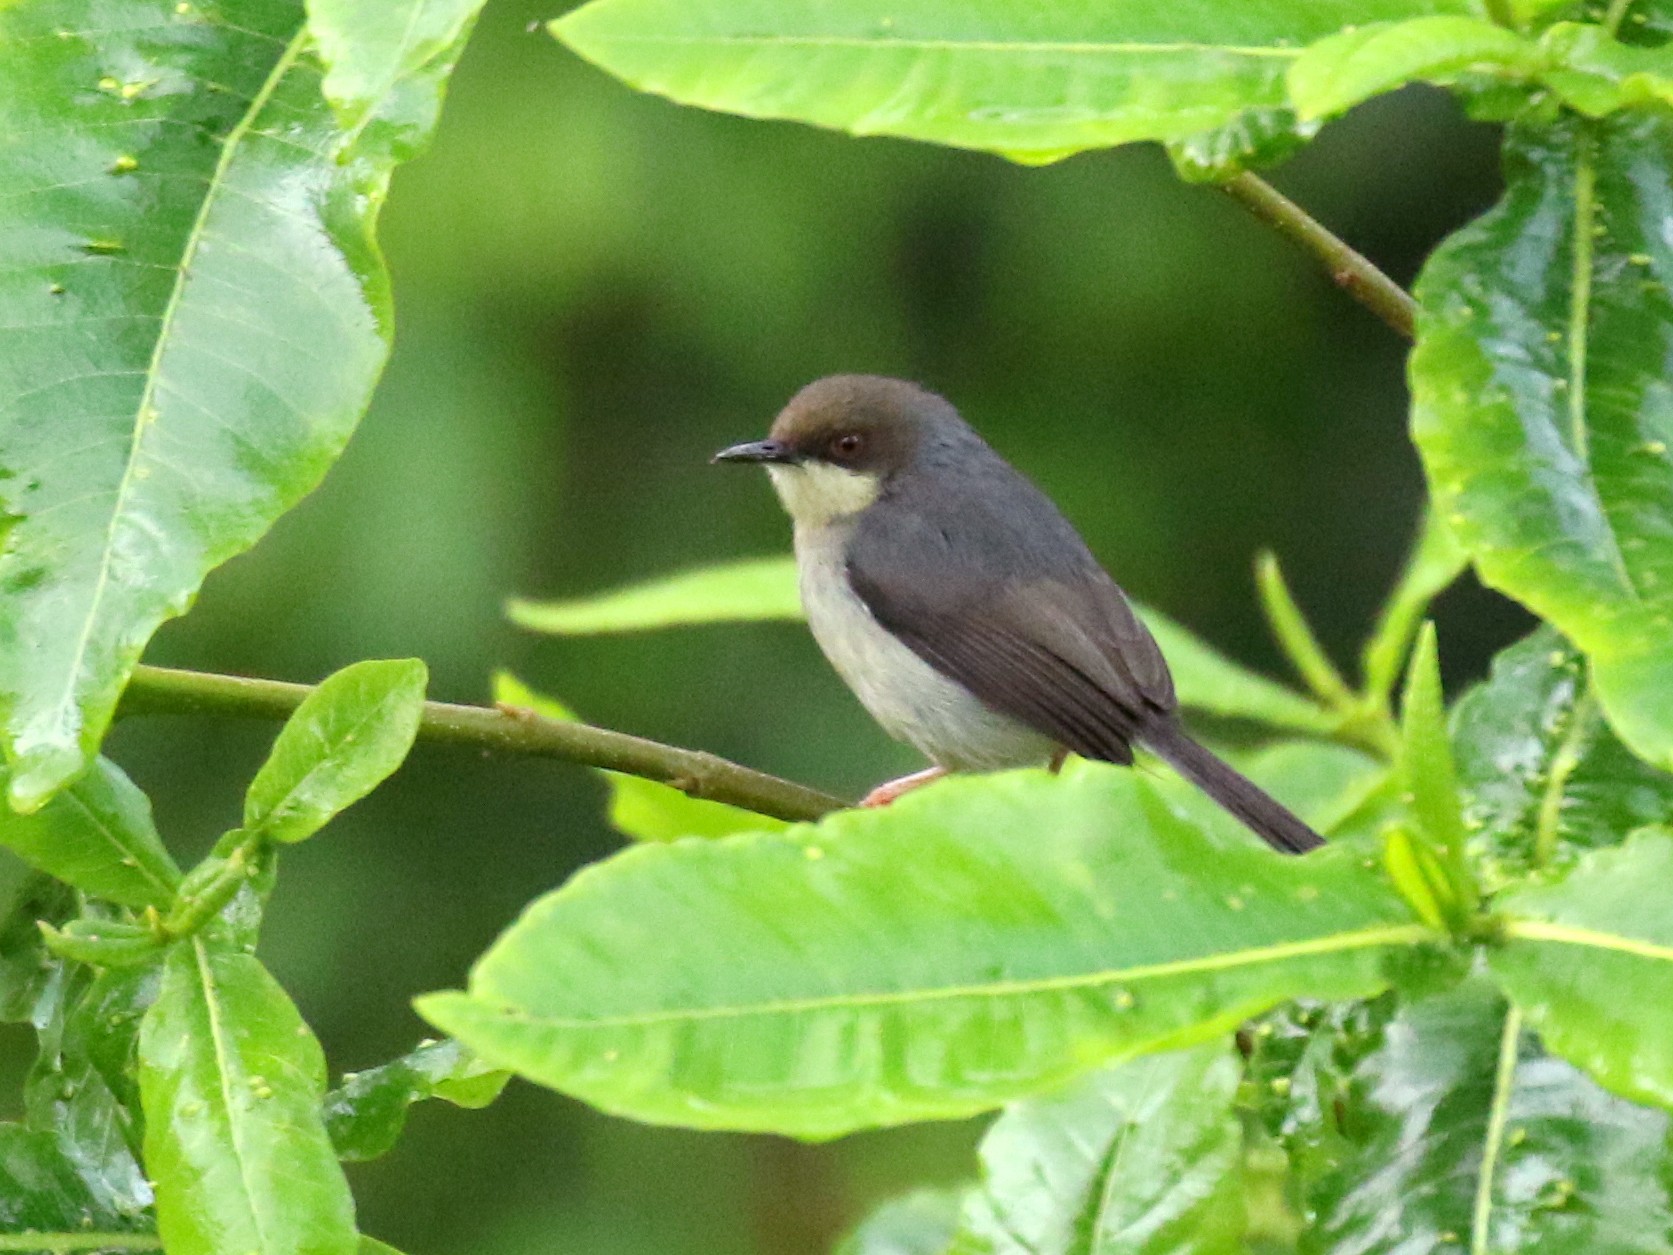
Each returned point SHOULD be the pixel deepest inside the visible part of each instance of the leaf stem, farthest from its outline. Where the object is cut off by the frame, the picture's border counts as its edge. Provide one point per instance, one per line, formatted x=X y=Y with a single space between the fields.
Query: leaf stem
x=80 y=1242
x=1617 y=11
x=1500 y=13
x=1290 y=626
x=1353 y=272
x=1570 y=751
x=1481 y=1220
x=161 y=690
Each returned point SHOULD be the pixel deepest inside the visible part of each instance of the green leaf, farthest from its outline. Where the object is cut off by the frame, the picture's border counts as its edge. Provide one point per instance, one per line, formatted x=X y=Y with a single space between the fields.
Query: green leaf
x=1589 y=960
x=919 y=1223
x=743 y=591
x=367 y=1112
x=1545 y=778
x=43 y=1191
x=345 y=738
x=757 y=589
x=644 y=810
x=371 y=1246
x=189 y=338
x=79 y=1022
x=1035 y=82
x=1434 y=564
x=232 y=1082
x=388 y=63
x=1597 y=75
x=1540 y=404
x=1144 y=1158
x=971 y=944
x=1337 y=73
x=1256 y=138
x=26 y=967
x=1461 y=1135
x=98 y=835
x=100 y=1036
x=1431 y=783
x=1208 y=681
x=104 y=942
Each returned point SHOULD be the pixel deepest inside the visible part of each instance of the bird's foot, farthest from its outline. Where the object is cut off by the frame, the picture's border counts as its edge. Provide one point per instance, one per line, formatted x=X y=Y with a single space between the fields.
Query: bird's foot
x=1057 y=761
x=887 y=792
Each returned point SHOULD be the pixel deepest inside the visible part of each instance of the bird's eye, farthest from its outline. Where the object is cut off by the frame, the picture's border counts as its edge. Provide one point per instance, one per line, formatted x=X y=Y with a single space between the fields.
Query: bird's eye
x=847 y=445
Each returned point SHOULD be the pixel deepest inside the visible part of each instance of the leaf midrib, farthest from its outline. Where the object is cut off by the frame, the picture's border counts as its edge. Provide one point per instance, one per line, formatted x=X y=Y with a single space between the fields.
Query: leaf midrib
x=217 y=1036
x=1359 y=939
x=1577 y=935
x=1072 y=47
x=147 y=402
x=1498 y=1113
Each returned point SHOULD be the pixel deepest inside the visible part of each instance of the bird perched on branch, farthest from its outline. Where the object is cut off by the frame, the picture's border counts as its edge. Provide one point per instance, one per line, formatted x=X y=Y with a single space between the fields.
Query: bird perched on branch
x=962 y=608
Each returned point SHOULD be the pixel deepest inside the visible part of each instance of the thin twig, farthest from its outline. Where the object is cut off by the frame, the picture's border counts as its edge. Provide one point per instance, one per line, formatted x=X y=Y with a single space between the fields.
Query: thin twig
x=1352 y=271
x=57 y=1242
x=160 y=690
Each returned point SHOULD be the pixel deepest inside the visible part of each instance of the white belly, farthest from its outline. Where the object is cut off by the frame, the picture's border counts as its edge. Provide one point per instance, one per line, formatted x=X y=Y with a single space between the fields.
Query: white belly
x=913 y=701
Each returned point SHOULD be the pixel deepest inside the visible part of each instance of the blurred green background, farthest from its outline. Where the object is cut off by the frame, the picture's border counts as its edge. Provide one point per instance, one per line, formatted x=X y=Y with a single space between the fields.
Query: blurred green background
x=595 y=290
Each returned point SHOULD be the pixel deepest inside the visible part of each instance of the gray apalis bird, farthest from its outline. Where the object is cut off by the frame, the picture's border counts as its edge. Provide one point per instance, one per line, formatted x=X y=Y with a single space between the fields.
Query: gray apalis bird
x=962 y=608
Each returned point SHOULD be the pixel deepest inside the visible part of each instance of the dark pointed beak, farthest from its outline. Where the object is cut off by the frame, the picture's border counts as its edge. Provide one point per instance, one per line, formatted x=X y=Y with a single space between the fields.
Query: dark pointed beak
x=767 y=451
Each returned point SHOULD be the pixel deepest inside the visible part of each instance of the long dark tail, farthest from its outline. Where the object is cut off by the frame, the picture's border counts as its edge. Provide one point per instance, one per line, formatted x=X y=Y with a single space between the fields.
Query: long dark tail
x=1240 y=797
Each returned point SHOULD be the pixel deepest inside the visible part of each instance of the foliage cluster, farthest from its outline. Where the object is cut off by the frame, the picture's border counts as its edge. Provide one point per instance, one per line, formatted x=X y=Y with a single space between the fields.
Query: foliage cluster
x=1449 y=1029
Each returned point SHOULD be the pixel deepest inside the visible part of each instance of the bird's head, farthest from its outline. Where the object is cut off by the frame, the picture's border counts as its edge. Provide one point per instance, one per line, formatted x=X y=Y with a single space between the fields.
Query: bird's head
x=839 y=442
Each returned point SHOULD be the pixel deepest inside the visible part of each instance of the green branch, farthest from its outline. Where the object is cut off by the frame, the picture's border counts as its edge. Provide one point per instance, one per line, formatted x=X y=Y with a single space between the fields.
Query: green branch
x=159 y=690
x=1353 y=272
x=37 y=1242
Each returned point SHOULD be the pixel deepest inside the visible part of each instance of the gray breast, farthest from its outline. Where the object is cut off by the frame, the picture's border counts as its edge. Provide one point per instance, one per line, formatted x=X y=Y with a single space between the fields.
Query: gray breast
x=913 y=701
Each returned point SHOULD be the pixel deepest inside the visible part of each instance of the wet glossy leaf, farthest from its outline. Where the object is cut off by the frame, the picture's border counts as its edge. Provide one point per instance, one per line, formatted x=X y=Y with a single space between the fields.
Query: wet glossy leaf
x=823 y=983
x=1543 y=775
x=25 y=965
x=1597 y=75
x=43 y=1191
x=1540 y=404
x=366 y=1113
x=742 y=591
x=919 y=1223
x=765 y=589
x=1143 y=1158
x=102 y=1033
x=644 y=810
x=97 y=834
x=194 y=315
x=1256 y=138
x=388 y=64
x=1366 y=60
x=1462 y=1135
x=1589 y=959
x=1033 y=82
x=67 y=1096
x=1301 y=1063
x=232 y=1082
x=345 y=738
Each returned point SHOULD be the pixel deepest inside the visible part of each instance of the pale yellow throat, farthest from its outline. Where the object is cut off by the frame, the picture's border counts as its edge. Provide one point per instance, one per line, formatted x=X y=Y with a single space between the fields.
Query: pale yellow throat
x=816 y=493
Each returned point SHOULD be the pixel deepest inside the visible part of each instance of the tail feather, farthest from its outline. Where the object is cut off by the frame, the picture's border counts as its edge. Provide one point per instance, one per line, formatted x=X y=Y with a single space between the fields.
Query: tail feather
x=1242 y=798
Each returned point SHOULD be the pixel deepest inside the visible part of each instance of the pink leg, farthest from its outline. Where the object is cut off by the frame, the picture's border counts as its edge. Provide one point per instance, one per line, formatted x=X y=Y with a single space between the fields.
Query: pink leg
x=885 y=793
